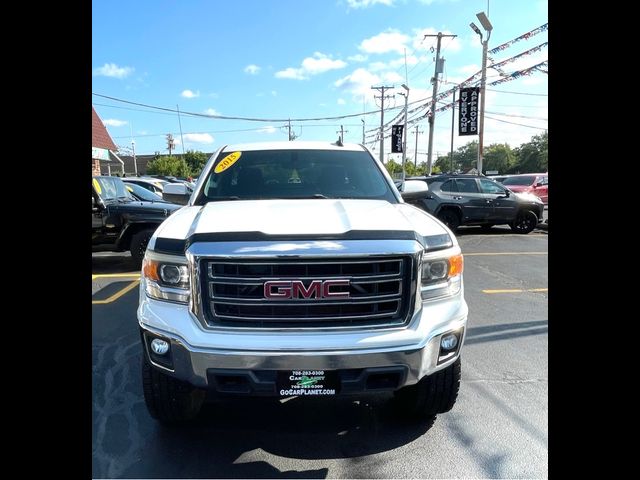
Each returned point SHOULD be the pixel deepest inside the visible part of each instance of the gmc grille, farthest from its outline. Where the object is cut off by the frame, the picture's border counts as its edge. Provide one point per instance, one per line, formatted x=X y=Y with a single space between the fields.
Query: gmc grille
x=379 y=293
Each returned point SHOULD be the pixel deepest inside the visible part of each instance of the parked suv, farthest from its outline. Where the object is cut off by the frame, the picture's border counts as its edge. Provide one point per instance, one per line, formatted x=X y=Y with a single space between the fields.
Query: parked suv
x=475 y=200
x=535 y=183
x=119 y=222
x=296 y=269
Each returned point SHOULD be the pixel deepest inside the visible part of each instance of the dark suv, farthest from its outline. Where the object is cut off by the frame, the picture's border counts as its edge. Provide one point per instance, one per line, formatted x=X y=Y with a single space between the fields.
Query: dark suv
x=121 y=223
x=472 y=200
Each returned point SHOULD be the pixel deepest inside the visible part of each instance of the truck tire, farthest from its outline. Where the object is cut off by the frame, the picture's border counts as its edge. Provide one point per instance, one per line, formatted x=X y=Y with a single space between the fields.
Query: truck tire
x=524 y=222
x=139 y=243
x=436 y=393
x=169 y=400
x=450 y=218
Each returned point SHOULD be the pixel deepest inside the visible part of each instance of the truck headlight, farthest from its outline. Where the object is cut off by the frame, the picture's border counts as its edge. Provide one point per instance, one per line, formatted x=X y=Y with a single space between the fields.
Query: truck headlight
x=167 y=277
x=441 y=275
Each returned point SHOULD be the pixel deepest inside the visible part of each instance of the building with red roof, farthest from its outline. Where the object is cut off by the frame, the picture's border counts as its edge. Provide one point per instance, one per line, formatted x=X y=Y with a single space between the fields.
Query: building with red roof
x=101 y=143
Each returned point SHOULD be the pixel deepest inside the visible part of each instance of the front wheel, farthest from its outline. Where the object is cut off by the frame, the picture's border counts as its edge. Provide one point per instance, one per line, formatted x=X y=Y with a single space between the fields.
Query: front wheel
x=436 y=393
x=139 y=244
x=169 y=400
x=524 y=222
x=450 y=218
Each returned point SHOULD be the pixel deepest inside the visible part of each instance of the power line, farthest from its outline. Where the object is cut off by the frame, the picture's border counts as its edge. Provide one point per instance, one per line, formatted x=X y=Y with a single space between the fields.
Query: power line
x=520 y=93
x=513 y=123
x=227 y=117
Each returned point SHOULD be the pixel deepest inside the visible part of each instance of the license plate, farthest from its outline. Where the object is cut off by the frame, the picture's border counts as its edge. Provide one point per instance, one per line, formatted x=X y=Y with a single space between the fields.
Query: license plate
x=307 y=383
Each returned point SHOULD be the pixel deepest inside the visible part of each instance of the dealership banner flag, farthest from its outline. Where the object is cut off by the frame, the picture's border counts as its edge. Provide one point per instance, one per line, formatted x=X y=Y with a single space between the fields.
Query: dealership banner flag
x=396 y=138
x=468 y=111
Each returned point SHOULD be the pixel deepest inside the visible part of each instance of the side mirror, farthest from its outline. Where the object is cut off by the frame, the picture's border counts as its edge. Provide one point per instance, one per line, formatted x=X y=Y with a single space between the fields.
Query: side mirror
x=176 y=193
x=539 y=184
x=414 y=189
x=94 y=205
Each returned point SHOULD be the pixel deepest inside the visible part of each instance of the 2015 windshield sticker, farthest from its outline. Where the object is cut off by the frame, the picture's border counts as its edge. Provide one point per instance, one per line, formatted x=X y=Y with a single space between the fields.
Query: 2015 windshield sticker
x=96 y=185
x=226 y=162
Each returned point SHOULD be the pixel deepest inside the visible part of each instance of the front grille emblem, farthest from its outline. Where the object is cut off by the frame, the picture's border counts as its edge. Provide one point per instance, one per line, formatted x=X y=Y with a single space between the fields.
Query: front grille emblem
x=296 y=289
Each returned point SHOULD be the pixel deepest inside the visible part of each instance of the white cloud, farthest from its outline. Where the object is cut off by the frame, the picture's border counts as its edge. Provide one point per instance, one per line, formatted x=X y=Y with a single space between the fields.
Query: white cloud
x=198 y=138
x=274 y=93
x=112 y=122
x=211 y=111
x=359 y=82
x=318 y=63
x=113 y=70
x=341 y=101
x=468 y=69
x=358 y=57
x=392 y=77
x=367 y=3
x=268 y=129
x=190 y=94
x=447 y=44
x=252 y=69
x=390 y=41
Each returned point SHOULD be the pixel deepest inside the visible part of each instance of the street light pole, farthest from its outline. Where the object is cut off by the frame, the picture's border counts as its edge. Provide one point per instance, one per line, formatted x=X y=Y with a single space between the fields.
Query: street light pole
x=404 y=130
x=486 y=24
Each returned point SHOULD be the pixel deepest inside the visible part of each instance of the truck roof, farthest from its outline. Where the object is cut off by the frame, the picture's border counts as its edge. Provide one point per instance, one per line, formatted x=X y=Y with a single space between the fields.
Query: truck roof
x=295 y=145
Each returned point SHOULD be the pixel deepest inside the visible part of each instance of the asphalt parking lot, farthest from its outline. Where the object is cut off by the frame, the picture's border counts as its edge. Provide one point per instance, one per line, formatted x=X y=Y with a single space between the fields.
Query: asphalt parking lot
x=497 y=429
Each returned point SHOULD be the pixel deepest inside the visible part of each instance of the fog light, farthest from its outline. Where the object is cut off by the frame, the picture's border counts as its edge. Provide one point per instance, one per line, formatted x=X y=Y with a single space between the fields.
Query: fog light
x=159 y=347
x=449 y=342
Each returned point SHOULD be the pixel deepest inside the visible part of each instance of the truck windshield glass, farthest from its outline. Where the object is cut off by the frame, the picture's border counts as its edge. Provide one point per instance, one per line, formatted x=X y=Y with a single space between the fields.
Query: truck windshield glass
x=111 y=188
x=273 y=174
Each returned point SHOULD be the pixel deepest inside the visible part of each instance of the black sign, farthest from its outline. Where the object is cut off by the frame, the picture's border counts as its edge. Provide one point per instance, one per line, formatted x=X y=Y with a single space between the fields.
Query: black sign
x=396 y=138
x=468 y=113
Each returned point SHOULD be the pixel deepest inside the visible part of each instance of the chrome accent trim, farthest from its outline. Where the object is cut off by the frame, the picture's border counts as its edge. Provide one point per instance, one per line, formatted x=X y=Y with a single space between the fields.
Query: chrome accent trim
x=166 y=294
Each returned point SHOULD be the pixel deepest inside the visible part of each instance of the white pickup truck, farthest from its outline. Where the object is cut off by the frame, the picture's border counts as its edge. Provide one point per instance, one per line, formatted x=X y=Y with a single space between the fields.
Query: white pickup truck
x=297 y=269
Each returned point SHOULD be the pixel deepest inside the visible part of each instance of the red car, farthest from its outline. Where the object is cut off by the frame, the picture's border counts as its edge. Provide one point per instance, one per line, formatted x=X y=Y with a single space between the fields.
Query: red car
x=536 y=183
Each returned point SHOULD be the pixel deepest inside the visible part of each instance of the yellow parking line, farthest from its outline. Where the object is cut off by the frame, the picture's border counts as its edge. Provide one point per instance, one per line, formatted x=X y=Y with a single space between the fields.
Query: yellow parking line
x=503 y=253
x=114 y=275
x=118 y=294
x=516 y=290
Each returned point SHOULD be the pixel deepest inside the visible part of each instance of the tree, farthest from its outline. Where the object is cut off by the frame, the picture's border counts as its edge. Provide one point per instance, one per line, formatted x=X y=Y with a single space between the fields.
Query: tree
x=532 y=157
x=393 y=167
x=196 y=160
x=169 y=165
x=498 y=157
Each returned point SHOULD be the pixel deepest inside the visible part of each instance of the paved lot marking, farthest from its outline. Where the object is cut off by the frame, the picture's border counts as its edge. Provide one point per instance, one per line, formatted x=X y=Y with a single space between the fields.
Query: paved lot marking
x=476 y=254
x=118 y=294
x=517 y=290
x=114 y=275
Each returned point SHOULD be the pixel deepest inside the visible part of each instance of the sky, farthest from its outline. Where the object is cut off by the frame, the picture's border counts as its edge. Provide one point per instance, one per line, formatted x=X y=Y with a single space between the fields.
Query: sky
x=274 y=60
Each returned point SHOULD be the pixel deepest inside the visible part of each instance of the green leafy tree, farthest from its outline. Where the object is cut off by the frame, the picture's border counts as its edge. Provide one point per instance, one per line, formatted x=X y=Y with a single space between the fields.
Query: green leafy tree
x=443 y=164
x=393 y=167
x=532 y=157
x=498 y=157
x=196 y=160
x=169 y=165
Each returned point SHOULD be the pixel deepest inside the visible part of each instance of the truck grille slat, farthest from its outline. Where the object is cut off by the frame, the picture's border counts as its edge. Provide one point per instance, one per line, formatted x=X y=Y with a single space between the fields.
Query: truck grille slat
x=379 y=292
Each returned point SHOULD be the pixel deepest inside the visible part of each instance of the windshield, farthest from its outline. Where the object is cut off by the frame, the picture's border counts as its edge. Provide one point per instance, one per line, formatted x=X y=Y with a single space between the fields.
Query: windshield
x=271 y=174
x=143 y=194
x=110 y=188
x=524 y=180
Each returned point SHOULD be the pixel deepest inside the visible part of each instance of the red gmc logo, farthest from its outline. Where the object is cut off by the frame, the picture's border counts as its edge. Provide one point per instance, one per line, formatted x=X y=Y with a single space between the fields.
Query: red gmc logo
x=317 y=289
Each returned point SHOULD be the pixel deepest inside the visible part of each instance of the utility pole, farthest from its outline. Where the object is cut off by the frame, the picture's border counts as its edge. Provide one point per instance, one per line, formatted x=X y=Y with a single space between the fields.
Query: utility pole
x=382 y=98
x=290 y=130
x=434 y=80
x=170 y=144
x=415 y=160
x=180 y=123
x=133 y=150
x=453 y=120
x=362 y=120
x=342 y=130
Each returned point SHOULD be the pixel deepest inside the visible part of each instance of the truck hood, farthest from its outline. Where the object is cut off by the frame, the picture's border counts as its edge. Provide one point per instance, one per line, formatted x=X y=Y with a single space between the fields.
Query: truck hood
x=299 y=217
